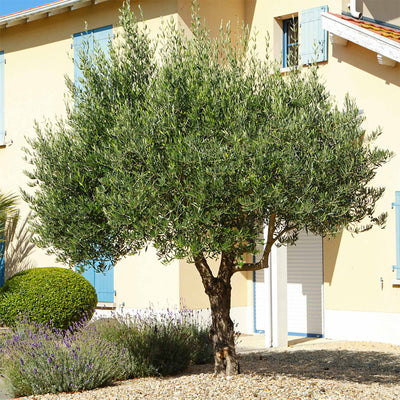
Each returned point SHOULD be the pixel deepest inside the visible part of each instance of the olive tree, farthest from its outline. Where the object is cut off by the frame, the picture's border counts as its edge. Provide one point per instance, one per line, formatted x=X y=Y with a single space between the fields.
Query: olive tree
x=193 y=145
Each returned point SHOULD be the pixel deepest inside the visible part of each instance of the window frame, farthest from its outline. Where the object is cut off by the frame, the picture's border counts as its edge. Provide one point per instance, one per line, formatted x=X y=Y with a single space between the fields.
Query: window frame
x=286 y=27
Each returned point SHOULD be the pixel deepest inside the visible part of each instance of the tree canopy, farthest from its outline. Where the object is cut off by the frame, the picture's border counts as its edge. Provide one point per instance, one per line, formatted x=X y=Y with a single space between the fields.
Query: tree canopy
x=193 y=144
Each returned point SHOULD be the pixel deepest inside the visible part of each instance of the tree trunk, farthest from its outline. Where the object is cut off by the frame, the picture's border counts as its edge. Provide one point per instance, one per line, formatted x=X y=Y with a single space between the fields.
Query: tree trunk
x=222 y=333
x=222 y=329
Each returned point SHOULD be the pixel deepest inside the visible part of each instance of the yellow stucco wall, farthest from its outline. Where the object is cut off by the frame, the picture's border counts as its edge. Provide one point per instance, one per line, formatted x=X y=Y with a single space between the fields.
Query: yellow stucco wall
x=354 y=265
x=191 y=290
x=38 y=55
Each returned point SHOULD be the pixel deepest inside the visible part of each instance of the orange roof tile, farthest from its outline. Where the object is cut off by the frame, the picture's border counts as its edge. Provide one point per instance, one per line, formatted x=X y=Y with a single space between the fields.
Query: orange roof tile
x=389 y=33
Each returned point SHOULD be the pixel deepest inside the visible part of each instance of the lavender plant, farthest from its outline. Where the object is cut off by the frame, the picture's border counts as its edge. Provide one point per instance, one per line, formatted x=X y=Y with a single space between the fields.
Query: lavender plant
x=37 y=359
x=158 y=343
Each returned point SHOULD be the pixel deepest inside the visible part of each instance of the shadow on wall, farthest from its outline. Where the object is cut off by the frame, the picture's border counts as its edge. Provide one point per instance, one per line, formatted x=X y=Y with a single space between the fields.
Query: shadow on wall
x=330 y=253
x=18 y=247
x=250 y=6
x=390 y=12
x=367 y=61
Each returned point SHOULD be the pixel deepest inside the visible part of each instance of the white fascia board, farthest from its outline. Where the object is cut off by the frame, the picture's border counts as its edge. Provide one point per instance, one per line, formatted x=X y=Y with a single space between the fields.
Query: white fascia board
x=363 y=37
x=42 y=11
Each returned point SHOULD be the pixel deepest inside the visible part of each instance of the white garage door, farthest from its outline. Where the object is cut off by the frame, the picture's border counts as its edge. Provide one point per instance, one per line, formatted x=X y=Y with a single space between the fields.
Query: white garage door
x=305 y=286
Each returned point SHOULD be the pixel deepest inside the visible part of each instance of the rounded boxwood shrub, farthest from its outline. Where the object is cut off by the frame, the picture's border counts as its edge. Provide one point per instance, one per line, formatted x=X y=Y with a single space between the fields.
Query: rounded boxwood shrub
x=55 y=296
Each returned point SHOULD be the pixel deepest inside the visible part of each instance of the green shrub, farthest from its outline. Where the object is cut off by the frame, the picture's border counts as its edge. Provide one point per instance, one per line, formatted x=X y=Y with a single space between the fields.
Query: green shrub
x=38 y=359
x=201 y=348
x=157 y=343
x=55 y=296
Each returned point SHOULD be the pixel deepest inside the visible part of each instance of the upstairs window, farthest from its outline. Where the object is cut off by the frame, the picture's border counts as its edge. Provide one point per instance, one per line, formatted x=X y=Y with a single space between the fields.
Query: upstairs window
x=290 y=42
x=304 y=40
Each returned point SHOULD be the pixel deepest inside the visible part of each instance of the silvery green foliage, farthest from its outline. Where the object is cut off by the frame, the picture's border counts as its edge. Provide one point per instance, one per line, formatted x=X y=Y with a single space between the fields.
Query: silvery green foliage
x=193 y=144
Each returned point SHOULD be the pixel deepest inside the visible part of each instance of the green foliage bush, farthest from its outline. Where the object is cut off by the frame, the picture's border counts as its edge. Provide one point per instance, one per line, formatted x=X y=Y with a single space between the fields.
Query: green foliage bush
x=55 y=296
x=157 y=343
x=201 y=348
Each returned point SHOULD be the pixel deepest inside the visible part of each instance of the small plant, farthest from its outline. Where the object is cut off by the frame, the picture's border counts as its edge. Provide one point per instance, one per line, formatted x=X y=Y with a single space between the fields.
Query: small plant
x=37 y=359
x=56 y=296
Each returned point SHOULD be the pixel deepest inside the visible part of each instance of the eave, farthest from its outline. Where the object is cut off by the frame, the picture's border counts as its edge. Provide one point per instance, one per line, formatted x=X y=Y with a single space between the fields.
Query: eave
x=388 y=50
x=45 y=11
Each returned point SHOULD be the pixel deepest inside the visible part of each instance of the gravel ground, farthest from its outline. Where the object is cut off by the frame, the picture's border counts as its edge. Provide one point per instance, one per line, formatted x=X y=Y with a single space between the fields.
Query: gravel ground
x=310 y=370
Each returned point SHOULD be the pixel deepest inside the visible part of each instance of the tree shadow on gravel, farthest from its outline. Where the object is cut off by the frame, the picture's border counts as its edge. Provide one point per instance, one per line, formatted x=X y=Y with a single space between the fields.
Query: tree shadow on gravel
x=354 y=366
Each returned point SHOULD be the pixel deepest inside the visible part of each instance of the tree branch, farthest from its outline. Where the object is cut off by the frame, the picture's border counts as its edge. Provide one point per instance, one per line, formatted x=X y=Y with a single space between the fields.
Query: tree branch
x=286 y=230
x=226 y=267
x=205 y=272
x=263 y=263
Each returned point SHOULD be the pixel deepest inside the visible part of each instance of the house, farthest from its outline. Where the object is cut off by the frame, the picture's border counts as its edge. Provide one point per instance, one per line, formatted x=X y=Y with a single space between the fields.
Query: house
x=347 y=287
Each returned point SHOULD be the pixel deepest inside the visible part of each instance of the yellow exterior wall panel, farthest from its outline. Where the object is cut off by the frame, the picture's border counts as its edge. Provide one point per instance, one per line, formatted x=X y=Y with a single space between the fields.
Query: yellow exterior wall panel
x=191 y=290
x=38 y=55
x=354 y=266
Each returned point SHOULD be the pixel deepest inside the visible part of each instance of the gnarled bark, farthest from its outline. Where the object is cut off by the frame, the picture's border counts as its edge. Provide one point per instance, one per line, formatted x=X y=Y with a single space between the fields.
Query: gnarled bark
x=222 y=331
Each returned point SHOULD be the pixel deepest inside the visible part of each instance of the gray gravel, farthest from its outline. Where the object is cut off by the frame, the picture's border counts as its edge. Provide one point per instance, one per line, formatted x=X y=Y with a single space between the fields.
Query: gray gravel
x=322 y=370
x=3 y=394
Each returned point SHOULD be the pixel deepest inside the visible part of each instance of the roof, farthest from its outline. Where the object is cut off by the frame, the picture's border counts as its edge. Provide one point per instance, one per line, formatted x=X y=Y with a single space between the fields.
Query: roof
x=44 y=11
x=393 y=34
x=383 y=40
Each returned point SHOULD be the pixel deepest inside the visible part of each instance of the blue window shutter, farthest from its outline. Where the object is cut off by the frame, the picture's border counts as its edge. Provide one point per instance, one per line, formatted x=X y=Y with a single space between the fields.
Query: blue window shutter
x=2 y=124
x=396 y=204
x=105 y=285
x=102 y=37
x=103 y=282
x=313 y=39
x=79 y=40
x=2 y=260
x=89 y=274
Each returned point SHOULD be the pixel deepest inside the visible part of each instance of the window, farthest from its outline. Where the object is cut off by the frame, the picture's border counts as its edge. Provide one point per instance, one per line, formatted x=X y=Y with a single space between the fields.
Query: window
x=290 y=42
x=2 y=126
x=304 y=39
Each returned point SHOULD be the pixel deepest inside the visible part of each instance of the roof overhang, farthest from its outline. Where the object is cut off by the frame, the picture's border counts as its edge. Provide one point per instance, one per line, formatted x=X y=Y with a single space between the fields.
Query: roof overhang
x=346 y=30
x=44 y=11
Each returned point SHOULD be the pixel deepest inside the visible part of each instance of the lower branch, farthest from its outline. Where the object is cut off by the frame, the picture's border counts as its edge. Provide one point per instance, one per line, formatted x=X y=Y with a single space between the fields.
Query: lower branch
x=263 y=263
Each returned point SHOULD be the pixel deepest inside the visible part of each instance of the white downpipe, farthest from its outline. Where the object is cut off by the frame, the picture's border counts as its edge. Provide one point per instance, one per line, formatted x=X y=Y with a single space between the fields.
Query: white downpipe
x=268 y=292
x=268 y=308
x=275 y=283
x=353 y=10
